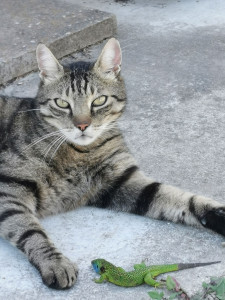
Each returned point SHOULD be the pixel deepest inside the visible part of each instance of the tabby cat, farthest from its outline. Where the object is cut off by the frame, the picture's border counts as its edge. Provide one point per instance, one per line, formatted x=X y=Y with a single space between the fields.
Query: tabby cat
x=68 y=151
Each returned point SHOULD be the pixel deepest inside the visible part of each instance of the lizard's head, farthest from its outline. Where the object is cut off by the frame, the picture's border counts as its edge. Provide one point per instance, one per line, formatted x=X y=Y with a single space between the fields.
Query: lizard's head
x=99 y=265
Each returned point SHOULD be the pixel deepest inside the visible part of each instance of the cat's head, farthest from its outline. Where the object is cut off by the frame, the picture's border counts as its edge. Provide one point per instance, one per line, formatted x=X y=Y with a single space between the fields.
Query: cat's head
x=82 y=101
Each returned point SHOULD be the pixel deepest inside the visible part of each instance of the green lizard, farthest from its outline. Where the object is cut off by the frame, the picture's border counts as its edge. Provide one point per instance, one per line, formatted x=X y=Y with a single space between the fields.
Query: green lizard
x=141 y=273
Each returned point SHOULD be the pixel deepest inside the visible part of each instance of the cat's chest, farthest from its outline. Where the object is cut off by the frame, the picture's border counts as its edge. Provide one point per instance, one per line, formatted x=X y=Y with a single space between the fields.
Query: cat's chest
x=71 y=187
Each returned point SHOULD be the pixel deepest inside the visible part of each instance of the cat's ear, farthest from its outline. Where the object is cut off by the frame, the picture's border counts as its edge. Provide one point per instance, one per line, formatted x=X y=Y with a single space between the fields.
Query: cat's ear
x=109 y=62
x=50 y=68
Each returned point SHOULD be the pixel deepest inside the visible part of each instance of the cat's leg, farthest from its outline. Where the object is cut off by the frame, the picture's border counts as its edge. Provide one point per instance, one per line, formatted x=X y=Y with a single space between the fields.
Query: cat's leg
x=19 y=225
x=133 y=192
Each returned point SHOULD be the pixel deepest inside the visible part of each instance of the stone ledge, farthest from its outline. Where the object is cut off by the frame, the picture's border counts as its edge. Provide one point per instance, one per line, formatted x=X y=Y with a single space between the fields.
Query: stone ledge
x=63 y=27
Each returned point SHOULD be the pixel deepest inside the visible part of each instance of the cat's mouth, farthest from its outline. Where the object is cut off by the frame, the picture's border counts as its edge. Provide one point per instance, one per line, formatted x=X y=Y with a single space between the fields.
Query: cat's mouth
x=83 y=139
x=84 y=135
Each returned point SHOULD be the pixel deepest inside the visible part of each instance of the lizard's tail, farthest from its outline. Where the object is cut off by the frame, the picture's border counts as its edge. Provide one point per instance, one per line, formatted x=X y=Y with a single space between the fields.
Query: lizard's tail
x=196 y=265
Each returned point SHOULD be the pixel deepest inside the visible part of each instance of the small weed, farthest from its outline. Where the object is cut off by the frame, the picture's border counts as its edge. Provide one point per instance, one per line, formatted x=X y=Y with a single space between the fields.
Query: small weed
x=174 y=288
x=214 y=290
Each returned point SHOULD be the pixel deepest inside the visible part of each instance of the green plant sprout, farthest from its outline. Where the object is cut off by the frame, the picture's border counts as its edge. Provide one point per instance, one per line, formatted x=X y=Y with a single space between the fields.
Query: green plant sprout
x=214 y=290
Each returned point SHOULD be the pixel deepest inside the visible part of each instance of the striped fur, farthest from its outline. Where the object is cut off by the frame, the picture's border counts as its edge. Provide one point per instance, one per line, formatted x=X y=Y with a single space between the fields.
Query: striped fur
x=48 y=165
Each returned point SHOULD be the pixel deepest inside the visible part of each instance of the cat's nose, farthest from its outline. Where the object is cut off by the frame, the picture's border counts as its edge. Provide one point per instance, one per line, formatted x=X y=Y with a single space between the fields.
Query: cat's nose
x=82 y=126
x=82 y=123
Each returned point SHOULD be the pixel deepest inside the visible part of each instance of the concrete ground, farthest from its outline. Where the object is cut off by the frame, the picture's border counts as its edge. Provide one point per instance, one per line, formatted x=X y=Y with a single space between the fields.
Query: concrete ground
x=174 y=65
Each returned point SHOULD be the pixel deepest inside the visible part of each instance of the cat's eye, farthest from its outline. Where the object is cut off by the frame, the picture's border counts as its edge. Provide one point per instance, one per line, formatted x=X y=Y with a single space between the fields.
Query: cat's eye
x=61 y=103
x=99 y=101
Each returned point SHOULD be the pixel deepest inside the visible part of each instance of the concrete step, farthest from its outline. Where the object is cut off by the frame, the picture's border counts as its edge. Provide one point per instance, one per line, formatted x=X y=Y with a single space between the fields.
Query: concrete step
x=63 y=27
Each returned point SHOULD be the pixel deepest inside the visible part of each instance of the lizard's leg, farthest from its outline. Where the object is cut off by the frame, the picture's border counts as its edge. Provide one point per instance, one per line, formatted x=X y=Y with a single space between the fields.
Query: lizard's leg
x=139 y=266
x=101 y=279
x=131 y=191
x=20 y=226
x=148 y=279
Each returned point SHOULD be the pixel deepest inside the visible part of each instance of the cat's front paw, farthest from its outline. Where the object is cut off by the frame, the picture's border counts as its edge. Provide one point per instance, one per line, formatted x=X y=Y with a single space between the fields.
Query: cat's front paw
x=214 y=219
x=59 y=273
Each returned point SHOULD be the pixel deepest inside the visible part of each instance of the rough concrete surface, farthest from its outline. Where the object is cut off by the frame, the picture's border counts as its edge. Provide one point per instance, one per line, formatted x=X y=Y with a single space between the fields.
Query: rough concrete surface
x=64 y=27
x=174 y=65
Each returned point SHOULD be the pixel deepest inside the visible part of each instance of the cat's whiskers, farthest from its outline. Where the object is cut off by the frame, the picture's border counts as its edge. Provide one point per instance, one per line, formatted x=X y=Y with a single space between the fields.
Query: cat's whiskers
x=106 y=127
x=105 y=130
x=40 y=139
x=109 y=127
x=52 y=145
x=63 y=139
x=22 y=111
x=100 y=131
x=46 y=149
